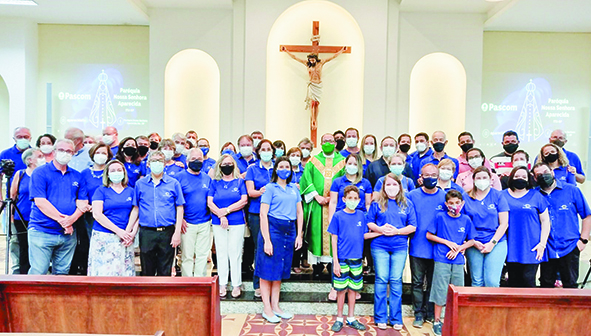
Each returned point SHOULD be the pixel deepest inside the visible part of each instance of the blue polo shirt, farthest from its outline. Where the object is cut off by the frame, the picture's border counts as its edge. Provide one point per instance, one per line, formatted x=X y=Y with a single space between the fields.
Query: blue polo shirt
x=157 y=203
x=349 y=229
x=431 y=159
x=525 y=229
x=345 y=152
x=81 y=160
x=61 y=190
x=182 y=158
x=415 y=162
x=283 y=203
x=454 y=229
x=195 y=188
x=297 y=175
x=563 y=175
x=116 y=206
x=242 y=163
x=134 y=172
x=485 y=214
x=208 y=164
x=454 y=186
x=428 y=205
x=224 y=194
x=573 y=160
x=170 y=170
x=407 y=184
x=261 y=176
x=340 y=183
x=114 y=150
x=93 y=180
x=566 y=204
x=23 y=202
x=397 y=216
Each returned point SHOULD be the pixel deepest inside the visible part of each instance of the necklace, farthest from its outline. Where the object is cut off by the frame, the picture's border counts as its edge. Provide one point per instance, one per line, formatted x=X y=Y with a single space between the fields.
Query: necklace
x=96 y=176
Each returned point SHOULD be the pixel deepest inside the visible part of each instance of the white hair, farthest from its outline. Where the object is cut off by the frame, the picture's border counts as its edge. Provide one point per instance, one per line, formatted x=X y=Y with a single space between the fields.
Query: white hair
x=74 y=133
x=21 y=129
x=28 y=154
x=68 y=141
x=179 y=135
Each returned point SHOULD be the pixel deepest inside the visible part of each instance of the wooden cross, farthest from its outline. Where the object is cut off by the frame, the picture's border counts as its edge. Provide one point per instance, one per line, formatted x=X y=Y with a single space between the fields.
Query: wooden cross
x=315 y=48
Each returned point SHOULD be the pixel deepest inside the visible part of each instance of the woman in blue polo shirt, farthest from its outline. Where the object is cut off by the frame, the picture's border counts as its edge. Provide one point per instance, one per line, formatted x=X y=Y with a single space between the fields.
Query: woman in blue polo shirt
x=396 y=164
x=488 y=209
x=258 y=175
x=529 y=227
x=111 y=244
x=393 y=216
x=281 y=230
x=353 y=176
x=19 y=191
x=226 y=199
x=130 y=157
x=558 y=162
x=294 y=155
x=100 y=154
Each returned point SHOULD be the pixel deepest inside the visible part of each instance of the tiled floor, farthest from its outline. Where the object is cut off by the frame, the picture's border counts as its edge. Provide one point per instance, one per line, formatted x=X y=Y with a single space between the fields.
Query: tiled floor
x=307 y=325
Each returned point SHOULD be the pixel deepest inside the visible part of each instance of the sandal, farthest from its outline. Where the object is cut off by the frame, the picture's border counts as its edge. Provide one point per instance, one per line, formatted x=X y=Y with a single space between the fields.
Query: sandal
x=236 y=292
x=223 y=292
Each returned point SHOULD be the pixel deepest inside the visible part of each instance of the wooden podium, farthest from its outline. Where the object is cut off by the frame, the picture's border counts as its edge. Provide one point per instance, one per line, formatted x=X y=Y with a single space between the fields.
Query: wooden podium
x=484 y=311
x=110 y=305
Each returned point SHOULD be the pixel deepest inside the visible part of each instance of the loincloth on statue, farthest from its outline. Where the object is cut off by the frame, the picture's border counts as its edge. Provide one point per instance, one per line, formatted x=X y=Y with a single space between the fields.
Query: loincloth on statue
x=314 y=93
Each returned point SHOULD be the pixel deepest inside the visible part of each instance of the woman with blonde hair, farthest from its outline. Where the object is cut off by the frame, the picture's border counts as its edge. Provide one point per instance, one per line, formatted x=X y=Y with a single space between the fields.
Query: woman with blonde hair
x=555 y=158
x=368 y=150
x=226 y=199
x=393 y=218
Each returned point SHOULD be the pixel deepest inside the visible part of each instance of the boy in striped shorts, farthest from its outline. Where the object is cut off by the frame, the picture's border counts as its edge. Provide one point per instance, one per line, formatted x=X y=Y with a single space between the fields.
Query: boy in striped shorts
x=348 y=227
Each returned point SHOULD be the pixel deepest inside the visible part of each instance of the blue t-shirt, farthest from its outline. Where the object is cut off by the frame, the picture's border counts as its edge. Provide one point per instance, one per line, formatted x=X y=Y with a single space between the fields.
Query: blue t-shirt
x=61 y=190
x=23 y=202
x=157 y=203
x=452 y=186
x=114 y=150
x=345 y=152
x=181 y=158
x=241 y=162
x=226 y=193
x=565 y=203
x=349 y=228
x=297 y=175
x=195 y=188
x=116 y=207
x=398 y=217
x=134 y=172
x=407 y=184
x=427 y=206
x=455 y=229
x=485 y=214
x=340 y=183
x=170 y=170
x=525 y=229
x=93 y=180
x=208 y=164
x=573 y=160
x=81 y=160
x=415 y=162
x=563 y=175
x=261 y=176
x=432 y=159
x=283 y=203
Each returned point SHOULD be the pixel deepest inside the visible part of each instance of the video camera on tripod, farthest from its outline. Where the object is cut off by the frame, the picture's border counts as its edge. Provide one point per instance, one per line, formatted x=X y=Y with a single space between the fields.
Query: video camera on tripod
x=7 y=167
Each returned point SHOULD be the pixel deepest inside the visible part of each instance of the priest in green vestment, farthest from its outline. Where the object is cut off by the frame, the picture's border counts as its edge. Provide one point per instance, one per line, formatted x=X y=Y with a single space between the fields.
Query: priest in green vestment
x=315 y=184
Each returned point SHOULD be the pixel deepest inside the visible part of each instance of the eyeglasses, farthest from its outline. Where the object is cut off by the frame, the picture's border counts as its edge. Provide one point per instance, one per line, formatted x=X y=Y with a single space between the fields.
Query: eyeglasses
x=67 y=151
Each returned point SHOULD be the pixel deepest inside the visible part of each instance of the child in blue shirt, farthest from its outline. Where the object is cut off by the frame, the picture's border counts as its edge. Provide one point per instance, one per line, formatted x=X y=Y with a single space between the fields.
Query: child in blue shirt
x=453 y=233
x=348 y=227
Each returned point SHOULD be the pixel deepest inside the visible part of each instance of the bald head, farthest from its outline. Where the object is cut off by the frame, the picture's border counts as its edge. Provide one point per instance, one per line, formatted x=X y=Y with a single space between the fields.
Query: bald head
x=76 y=135
x=327 y=137
x=110 y=136
x=439 y=136
x=558 y=137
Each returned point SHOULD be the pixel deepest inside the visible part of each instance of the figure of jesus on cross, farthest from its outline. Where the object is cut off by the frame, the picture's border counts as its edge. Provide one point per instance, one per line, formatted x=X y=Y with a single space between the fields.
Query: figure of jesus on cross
x=314 y=65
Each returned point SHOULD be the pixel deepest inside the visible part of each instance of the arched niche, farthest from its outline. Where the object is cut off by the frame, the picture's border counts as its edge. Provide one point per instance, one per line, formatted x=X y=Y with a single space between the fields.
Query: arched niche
x=438 y=96
x=4 y=115
x=192 y=95
x=341 y=105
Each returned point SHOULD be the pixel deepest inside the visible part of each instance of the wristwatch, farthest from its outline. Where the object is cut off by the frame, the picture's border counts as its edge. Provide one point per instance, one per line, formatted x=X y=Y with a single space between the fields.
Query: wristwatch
x=494 y=242
x=583 y=240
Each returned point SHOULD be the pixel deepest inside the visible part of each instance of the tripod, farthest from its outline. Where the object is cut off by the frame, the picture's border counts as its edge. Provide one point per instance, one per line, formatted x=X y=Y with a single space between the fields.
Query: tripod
x=586 y=276
x=7 y=209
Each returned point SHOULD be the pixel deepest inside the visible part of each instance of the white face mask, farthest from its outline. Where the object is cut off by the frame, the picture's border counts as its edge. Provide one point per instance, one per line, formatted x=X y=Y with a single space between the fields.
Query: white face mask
x=482 y=184
x=421 y=146
x=246 y=151
x=369 y=149
x=445 y=174
x=40 y=162
x=388 y=151
x=475 y=162
x=100 y=159
x=87 y=146
x=63 y=158
x=351 y=169
x=255 y=142
x=46 y=149
x=520 y=163
x=168 y=154
x=305 y=153
x=179 y=148
x=392 y=190
x=295 y=160
x=351 y=142
x=193 y=142
x=108 y=139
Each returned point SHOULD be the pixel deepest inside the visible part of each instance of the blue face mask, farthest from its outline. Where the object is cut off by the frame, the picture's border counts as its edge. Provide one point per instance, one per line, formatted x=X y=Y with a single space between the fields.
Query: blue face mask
x=279 y=152
x=228 y=151
x=283 y=173
x=205 y=150
x=429 y=182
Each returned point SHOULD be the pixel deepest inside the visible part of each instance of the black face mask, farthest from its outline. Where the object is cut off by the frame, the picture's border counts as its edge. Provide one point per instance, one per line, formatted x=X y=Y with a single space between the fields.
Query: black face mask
x=340 y=144
x=519 y=184
x=438 y=146
x=129 y=151
x=545 y=180
x=551 y=158
x=510 y=148
x=153 y=145
x=404 y=148
x=227 y=170
x=466 y=147
x=142 y=150
x=196 y=166
x=558 y=143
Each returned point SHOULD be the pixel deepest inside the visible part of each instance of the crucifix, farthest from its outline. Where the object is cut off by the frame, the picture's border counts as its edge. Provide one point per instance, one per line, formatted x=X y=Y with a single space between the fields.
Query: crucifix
x=314 y=65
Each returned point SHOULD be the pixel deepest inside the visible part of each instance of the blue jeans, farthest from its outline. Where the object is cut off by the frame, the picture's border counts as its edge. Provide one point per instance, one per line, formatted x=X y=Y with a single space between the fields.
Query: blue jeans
x=254 y=224
x=388 y=266
x=486 y=269
x=45 y=248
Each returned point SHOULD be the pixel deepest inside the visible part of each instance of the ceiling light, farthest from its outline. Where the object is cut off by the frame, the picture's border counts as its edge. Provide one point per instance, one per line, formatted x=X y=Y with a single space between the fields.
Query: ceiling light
x=18 y=2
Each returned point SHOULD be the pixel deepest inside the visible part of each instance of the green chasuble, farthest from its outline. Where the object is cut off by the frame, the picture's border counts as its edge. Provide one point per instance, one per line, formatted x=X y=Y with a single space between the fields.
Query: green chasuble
x=317 y=178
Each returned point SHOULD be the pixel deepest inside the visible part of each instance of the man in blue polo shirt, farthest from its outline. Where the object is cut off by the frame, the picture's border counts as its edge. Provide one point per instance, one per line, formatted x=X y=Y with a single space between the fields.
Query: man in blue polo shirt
x=558 y=137
x=159 y=199
x=245 y=156
x=196 y=237
x=565 y=242
x=430 y=200
x=111 y=139
x=438 y=141
x=423 y=151
x=58 y=192
x=22 y=139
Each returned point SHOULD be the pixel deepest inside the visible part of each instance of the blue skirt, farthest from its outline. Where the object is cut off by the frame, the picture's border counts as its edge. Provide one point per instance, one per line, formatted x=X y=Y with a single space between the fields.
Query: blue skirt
x=278 y=266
